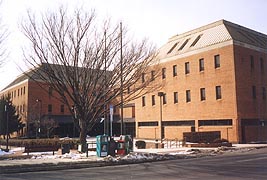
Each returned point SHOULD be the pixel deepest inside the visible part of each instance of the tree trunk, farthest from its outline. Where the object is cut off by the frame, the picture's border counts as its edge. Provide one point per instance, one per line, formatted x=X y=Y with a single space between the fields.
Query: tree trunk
x=83 y=132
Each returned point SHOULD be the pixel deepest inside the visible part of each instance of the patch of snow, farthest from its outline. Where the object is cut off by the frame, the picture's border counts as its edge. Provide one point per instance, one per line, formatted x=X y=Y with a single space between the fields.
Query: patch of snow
x=2 y=153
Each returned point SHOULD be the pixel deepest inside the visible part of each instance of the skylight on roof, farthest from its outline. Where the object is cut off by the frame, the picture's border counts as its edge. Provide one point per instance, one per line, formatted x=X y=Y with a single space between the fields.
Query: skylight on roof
x=196 y=40
x=183 y=45
x=172 y=48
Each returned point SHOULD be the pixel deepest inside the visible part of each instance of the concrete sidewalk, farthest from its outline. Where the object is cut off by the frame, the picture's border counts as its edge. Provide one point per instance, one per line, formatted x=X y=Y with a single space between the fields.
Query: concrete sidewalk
x=19 y=162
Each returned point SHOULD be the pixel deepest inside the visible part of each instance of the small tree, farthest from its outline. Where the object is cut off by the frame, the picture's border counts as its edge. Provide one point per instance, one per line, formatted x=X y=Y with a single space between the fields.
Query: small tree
x=88 y=66
x=14 y=122
x=48 y=125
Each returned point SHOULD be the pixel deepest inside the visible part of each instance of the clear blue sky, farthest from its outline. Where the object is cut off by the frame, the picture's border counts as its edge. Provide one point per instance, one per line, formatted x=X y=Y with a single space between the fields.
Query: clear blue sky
x=156 y=19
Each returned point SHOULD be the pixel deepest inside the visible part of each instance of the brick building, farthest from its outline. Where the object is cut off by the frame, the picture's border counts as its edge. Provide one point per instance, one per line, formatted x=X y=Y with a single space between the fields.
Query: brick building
x=215 y=79
x=39 y=108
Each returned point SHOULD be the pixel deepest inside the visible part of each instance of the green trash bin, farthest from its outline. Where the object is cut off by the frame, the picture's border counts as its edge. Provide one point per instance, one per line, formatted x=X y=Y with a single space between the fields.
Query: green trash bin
x=102 y=145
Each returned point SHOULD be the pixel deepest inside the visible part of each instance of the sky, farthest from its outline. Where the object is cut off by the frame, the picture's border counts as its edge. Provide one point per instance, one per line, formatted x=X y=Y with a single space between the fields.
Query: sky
x=156 y=20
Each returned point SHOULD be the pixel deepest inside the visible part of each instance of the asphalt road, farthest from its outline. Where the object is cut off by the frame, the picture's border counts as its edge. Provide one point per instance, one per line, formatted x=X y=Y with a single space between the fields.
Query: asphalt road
x=243 y=165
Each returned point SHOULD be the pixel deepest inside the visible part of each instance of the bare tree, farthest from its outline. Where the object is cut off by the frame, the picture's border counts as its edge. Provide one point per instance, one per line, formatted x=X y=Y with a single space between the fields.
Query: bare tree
x=87 y=64
x=3 y=36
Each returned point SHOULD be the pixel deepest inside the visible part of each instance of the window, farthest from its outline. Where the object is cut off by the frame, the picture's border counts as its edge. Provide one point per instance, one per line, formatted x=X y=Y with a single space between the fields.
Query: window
x=187 y=68
x=21 y=91
x=18 y=92
x=196 y=40
x=202 y=94
x=254 y=95
x=251 y=62
x=179 y=123
x=143 y=77
x=153 y=100
x=263 y=93
x=217 y=122
x=218 y=92
x=217 y=61
x=174 y=70
x=262 y=64
x=14 y=93
x=188 y=96
x=24 y=90
x=163 y=73
x=164 y=98
x=172 y=48
x=183 y=45
x=62 y=108
x=152 y=75
x=201 y=64
x=175 y=97
x=154 y=123
x=49 y=107
x=143 y=101
x=50 y=91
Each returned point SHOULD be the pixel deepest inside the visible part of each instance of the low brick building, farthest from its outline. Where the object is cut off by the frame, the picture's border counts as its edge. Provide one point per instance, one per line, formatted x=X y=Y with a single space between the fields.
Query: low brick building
x=215 y=79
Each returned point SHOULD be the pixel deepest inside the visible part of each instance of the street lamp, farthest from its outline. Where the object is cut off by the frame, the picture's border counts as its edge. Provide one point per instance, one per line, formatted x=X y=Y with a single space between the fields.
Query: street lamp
x=7 y=128
x=161 y=94
x=38 y=130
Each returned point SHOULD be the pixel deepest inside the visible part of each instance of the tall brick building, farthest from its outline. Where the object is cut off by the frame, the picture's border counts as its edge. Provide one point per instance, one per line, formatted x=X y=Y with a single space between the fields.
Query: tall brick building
x=215 y=79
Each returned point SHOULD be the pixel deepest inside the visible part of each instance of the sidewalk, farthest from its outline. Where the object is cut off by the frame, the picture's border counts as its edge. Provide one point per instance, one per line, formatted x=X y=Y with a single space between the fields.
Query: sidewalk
x=20 y=162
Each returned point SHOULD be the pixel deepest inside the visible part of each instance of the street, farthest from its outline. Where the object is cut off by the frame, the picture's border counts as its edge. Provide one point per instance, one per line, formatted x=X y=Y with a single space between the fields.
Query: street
x=238 y=165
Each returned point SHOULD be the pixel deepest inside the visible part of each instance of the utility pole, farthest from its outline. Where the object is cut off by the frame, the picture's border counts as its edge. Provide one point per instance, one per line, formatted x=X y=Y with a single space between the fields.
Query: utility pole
x=7 y=128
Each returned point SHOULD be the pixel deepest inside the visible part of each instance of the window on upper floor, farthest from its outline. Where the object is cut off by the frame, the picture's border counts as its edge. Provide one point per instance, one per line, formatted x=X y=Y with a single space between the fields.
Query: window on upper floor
x=187 y=68
x=175 y=97
x=164 y=98
x=143 y=101
x=153 y=100
x=202 y=94
x=174 y=70
x=163 y=73
x=217 y=62
x=143 y=77
x=50 y=91
x=49 y=108
x=262 y=64
x=218 y=90
x=188 y=96
x=152 y=75
x=201 y=64
x=183 y=45
x=251 y=62
x=254 y=93
x=172 y=48
x=196 y=40
x=263 y=93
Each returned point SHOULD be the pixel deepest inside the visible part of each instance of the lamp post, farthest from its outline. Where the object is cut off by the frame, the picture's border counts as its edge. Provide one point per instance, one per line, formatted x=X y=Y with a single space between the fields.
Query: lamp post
x=7 y=128
x=38 y=130
x=161 y=94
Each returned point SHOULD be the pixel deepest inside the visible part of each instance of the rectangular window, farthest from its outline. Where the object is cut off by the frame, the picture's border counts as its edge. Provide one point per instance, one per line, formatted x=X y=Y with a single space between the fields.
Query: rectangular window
x=143 y=101
x=217 y=62
x=187 y=68
x=172 y=48
x=183 y=45
x=175 y=97
x=18 y=92
x=263 y=93
x=49 y=108
x=50 y=91
x=262 y=64
x=251 y=62
x=24 y=90
x=153 y=100
x=154 y=123
x=163 y=73
x=62 y=108
x=202 y=94
x=201 y=64
x=254 y=94
x=196 y=40
x=143 y=77
x=218 y=92
x=164 y=97
x=152 y=75
x=188 y=96
x=174 y=70
x=217 y=122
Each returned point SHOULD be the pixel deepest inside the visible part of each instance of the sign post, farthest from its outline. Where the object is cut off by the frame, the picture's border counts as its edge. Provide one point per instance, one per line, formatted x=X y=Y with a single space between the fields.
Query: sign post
x=111 y=118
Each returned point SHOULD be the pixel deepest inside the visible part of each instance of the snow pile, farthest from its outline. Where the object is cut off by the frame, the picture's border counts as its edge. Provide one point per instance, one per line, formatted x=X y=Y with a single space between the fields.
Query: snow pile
x=2 y=153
